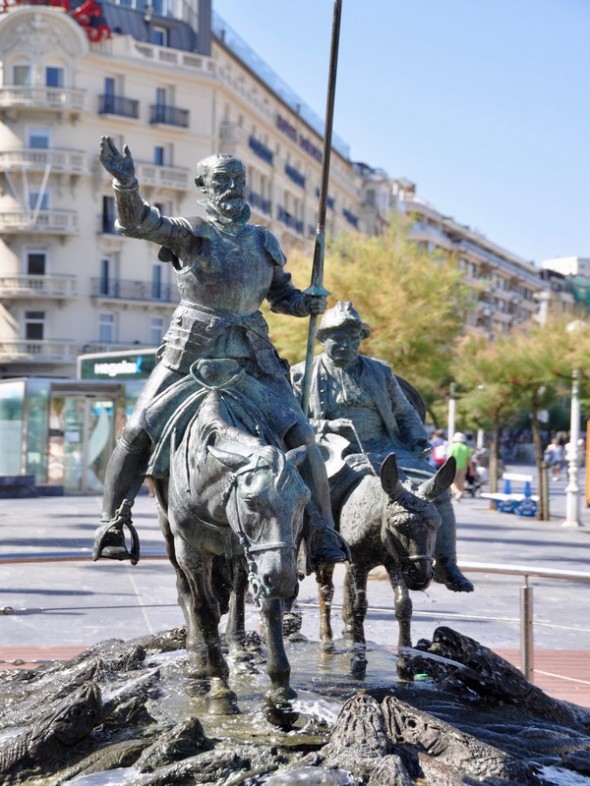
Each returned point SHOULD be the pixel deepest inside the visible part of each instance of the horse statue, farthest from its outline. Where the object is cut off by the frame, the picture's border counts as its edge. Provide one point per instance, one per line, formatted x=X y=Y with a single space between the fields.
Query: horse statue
x=231 y=496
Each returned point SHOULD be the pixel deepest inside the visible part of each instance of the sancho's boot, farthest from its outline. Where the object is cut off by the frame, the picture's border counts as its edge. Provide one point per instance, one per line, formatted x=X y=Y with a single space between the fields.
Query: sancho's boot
x=323 y=542
x=446 y=570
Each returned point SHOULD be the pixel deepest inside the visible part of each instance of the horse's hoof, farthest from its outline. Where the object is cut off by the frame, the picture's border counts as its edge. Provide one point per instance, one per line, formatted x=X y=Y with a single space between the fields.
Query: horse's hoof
x=221 y=700
x=197 y=686
x=327 y=647
x=278 y=709
x=405 y=672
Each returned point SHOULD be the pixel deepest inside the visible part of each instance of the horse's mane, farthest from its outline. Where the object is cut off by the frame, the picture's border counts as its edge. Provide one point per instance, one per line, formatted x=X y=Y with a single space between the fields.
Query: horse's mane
x=217 y=420
x=227 y=420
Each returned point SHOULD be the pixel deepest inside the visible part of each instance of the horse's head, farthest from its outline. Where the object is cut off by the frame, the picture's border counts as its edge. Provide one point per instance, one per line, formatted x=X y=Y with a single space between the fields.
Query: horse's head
x=411 y=520
x=265 y=499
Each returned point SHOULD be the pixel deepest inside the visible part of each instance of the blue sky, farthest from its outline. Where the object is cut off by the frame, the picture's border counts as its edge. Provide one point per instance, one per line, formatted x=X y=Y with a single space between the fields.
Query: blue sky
x=484 y=104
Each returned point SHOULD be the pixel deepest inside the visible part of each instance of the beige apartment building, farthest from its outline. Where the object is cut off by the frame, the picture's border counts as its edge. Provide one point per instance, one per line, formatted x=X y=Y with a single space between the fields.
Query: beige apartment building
x=512 y=290
x=165 y=79
x=174 y=82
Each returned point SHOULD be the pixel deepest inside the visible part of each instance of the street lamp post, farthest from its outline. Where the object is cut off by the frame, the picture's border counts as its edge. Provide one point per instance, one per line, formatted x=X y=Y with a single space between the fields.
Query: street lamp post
x=451 y=417
x=572 y=491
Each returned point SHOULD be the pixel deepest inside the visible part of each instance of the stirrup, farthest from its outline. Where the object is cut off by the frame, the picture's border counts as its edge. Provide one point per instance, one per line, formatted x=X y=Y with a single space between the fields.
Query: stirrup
x=113 y=531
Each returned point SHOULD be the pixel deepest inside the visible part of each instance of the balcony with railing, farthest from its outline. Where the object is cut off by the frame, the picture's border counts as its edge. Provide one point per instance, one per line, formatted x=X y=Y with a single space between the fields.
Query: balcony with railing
x=162 y=176
x=260 y=149
x=33 y=159
x=259 y=203
x=26 y=287
x=133 y=291
x=118 y=105
x=114 y=346
x=295 y=175
x=38 y=351
x=160 y=114
x=50 y=99
x=48 y=222
x=290 y=221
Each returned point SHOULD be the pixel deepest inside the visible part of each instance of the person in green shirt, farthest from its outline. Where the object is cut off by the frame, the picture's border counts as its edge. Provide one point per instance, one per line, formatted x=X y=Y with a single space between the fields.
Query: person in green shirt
x=462 y=453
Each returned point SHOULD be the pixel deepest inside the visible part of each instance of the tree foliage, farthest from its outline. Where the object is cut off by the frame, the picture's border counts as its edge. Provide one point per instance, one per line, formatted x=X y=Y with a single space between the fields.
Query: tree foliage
x=525 y=370
x=414 y=300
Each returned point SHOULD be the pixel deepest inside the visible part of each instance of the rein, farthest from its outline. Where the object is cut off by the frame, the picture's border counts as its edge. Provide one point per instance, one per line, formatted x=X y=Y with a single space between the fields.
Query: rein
x=259 y=588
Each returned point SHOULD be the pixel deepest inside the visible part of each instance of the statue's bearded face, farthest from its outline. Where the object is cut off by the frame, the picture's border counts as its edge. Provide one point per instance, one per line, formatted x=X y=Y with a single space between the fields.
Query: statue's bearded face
x=226 y=188
x=342 y=346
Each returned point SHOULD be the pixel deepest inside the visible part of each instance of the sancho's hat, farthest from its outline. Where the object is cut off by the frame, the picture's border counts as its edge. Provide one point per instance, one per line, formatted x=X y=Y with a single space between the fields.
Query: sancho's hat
x=341 y=315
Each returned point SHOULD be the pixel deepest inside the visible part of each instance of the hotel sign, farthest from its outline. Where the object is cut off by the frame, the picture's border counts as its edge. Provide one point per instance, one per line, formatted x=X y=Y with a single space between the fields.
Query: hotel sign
x=304 y=142
x=88 y=14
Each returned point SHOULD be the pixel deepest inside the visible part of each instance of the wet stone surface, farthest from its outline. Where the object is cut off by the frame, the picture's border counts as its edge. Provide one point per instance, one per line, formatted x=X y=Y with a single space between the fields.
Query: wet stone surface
x=125 y=713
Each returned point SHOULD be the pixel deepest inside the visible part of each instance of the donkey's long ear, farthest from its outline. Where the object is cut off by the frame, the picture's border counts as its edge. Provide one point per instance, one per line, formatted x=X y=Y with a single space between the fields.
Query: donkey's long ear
x=233 y=461
x=440 y=482
x=389 y=474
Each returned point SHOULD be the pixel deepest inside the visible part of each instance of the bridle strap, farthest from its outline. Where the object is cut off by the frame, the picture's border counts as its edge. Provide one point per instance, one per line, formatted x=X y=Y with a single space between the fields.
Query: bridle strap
x=259 y=588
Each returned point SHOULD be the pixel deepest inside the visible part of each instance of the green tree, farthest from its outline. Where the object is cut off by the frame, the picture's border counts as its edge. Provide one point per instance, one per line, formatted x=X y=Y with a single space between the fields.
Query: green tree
x=414 y=300
x=527 y=369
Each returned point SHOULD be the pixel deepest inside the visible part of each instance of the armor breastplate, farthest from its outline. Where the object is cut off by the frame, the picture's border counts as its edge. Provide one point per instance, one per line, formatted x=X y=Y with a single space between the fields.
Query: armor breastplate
x=229 y=272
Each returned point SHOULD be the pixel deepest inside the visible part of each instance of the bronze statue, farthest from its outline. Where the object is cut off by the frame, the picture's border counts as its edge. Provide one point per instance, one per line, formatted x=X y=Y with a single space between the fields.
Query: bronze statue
x=226 y=267
x=359 y=399
x=232 y=514
x=389 y=522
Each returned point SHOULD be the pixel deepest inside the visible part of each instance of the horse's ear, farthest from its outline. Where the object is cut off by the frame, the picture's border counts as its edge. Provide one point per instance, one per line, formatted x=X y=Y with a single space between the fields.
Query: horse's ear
x=440 y=482
x=389 y=474
x=296 y=456
x=233 y=461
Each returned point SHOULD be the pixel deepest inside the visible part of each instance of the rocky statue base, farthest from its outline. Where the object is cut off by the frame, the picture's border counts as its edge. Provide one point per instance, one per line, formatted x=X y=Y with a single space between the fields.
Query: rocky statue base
x=119 y=714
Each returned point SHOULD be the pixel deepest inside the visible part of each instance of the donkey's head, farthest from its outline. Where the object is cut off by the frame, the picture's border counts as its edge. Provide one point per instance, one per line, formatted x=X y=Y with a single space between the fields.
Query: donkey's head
x=411 y=520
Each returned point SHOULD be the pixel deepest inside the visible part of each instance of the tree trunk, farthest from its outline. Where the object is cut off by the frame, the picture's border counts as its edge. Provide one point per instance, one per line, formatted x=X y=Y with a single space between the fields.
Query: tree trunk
x=494 y=458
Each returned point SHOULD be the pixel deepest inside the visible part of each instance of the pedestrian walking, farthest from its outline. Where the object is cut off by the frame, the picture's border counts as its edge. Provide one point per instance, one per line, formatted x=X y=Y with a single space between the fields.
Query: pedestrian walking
x=462 y=453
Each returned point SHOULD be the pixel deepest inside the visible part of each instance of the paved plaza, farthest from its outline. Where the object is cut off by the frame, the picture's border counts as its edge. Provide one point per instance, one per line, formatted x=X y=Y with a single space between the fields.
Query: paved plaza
x=56 y=601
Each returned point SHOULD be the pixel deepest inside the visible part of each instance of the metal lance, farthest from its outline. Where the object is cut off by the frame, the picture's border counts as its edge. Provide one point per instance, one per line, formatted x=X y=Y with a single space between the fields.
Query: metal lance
x=316 y=287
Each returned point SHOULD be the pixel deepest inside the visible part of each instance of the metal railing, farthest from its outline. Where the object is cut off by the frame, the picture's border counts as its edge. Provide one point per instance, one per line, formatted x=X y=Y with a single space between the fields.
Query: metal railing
x=118 y=105
x=526 y=600
x=169 y=115
x=526 y=592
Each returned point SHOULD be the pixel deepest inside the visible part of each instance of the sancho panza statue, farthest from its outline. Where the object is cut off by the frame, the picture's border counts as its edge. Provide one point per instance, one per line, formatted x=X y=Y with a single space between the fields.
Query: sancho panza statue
x=226 y=267
x=359 y=398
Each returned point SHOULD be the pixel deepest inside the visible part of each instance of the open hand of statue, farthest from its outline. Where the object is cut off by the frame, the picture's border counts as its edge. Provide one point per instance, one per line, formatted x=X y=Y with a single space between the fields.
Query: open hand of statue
x=119 y=165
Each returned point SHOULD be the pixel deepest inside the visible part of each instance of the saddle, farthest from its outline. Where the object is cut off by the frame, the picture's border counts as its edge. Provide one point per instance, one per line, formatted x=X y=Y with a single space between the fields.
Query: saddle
x=176 y=409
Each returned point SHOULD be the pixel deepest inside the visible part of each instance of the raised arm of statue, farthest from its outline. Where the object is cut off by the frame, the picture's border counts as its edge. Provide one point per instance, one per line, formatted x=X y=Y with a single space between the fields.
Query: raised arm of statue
x=119 y=165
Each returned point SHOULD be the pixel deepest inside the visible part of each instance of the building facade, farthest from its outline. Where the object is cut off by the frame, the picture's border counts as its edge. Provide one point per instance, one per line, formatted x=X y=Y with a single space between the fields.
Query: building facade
x=172 y=80
x=167 y=80
x=511 y=290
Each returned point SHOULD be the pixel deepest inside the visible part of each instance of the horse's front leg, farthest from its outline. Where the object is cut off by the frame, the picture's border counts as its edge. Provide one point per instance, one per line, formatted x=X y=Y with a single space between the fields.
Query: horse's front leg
x=325 y=579
x=221 y=699
x=354 y=611
x=195 y=652
x=278 y=667
x=235 y=630
x=403 y=614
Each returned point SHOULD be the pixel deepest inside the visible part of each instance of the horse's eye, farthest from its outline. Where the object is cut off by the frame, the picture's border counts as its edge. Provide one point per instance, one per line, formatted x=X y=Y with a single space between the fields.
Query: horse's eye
x=252 y=503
